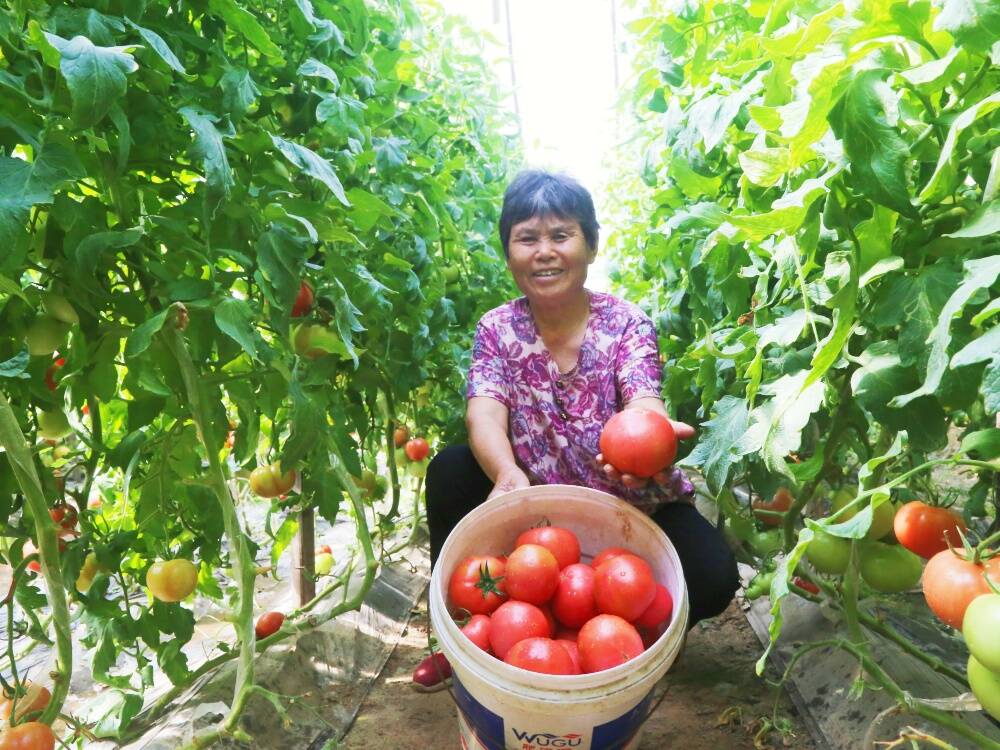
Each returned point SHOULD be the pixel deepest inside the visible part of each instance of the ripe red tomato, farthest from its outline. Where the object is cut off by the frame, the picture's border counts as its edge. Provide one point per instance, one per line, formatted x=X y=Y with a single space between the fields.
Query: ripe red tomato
x=32 y=735
x=475 y=585
x=172 y=580
x=574 y=653
x=268 y=481
x=659 y=611
x=324 y=550
x=926 y=529
x=532 y=574
x=607 y=641
x=303 y=301
x=417 y=449
x=540 y=655
x=624 y=586
x=805 y=585
x=573 y=603
x=512 y=622
x=640 y=442
x=268 y=624
x=951 y=582
x=30 y=548
x=561 y=542
x=400 y=435
x=477 y=630
x=547 y=611
x=606 y=554
x=50 y=373
x=34 y=699
x=781 y=502
x=64 y=514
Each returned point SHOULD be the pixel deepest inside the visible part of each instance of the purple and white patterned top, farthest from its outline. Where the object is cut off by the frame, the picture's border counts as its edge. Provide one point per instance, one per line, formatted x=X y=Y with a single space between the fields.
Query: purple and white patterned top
x=556 y=418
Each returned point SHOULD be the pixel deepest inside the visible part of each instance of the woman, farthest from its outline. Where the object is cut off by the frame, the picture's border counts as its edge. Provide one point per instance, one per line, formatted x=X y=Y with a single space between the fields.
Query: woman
x=548 y=370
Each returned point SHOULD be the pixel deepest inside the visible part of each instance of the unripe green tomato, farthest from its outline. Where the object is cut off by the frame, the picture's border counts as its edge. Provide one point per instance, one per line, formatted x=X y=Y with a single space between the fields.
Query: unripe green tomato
x=760 y=585
x=172 y=580
x=45 y=335
x=985 y=686
x=323 y=563
x=981 y=629
x=312 y=340
x=889 y=568
x=417 y=468
x=765 y=543
x=400 y=457
x=742 y=528
x=882 y=518
x=381 y=486
x=828 y=553
x=58 y=307
x=450 y=273
x=268 y=481
x=53 y=425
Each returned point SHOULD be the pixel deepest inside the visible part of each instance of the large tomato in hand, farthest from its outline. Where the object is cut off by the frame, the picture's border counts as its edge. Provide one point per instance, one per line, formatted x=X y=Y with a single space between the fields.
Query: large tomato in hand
x=541 y=655
x=532 y=574
x=417 y=449
x=268 y=624
x=172 y=580
x=573 y=603
x=475 y=584
x=981 y=630
x=561 y=542
x=624 y=586
x=951 y=582
x=639 y=442
x=607 y=641
x=828 y=553
x=35 y=699
x=985 y=686
x=513 y=622
x=268 y=481
x=889 y=568
x=926 y=529
x=780 y=503
x=32 y=735
x=303 y=301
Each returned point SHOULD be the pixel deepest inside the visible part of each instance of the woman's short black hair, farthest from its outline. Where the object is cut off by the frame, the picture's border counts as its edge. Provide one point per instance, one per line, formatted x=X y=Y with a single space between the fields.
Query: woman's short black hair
x=534 y=193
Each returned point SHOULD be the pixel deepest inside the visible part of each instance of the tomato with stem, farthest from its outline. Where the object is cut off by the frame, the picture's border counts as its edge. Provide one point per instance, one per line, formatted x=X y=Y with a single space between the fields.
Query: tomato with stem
x=952 y=581
x=33 y=700
x=780 y=502
x=828 y=553
x=172 y=580
x=927 y=529
x=475 y=584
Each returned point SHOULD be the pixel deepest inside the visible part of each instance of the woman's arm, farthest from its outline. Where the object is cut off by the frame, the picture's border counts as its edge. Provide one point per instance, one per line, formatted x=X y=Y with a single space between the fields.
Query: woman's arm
x=486 y=420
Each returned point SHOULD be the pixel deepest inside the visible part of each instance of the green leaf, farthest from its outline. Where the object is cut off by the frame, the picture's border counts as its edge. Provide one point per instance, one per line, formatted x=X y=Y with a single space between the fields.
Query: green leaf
x=716 y=451
x=975 y=24
x=985 y=221
x=990 y=387
x=982 y=445
x=979 y=274
x=313 y=67
x=865 y=120
x=235 y=319
x=208 y=147
x=945 y=177
x=312 y=164
x=239 y=92
x=765 y=166
x=282 y=538
x=142 y=336
x=159 y=46
x=981 y=349
x=87 y=255
x=25 y=184
x=96 y=76
x=244 y=22
x=308 y=422
x=16 y=366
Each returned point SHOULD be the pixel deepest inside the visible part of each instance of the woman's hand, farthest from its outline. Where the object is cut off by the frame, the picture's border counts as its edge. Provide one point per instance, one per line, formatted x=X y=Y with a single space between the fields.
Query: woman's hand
x=507 y=480
x=666 y=478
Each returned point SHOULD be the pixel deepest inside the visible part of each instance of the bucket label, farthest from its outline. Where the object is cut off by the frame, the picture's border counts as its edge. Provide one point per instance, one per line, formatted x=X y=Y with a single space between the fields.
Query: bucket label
x=485 y=730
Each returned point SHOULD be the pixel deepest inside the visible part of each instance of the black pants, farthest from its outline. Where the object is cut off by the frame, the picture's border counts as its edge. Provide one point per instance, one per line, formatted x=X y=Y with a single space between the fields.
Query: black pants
x=456 y=484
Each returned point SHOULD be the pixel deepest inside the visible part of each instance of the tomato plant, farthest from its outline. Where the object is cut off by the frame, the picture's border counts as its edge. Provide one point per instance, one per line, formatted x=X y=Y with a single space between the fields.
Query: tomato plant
x=927 y=529
x=638 y=442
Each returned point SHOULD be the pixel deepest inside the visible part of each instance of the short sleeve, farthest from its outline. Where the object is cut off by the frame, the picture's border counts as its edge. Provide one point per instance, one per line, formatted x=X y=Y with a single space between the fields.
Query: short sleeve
x=487 y=371
x=637 y=367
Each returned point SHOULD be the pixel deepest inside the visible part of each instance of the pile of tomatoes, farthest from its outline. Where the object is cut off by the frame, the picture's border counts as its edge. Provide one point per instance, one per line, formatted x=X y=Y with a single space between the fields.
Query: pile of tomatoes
x=542 y=609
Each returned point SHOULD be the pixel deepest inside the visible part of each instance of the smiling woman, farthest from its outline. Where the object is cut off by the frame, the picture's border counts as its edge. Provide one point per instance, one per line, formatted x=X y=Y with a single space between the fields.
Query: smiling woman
x=548 y=371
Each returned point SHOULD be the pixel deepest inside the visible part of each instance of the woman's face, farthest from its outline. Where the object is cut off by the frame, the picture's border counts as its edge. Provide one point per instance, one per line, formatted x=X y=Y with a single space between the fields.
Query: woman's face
x=548 y=257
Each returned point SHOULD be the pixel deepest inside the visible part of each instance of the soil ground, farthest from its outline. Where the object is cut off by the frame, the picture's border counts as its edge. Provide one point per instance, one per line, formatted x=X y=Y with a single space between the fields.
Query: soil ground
x=715 y=699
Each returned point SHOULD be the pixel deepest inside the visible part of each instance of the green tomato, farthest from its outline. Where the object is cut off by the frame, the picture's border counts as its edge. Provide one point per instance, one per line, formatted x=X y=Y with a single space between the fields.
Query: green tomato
x=981 y=628
x=828 y=553
x=889 y=568
x=741 y=527
x=985 y=686
x=417 y=468
x=400 y=457
x=760 y=585
x=881 y=519
x=45 y=335
x=58 y=307
x=450 y=274
x=53 y=425
x=381 y=487
x=765 y=543
x=312 y=340
x=323 y=563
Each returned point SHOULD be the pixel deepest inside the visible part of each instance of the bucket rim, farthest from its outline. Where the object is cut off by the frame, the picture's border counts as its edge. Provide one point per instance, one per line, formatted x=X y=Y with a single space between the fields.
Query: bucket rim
x=541 y=686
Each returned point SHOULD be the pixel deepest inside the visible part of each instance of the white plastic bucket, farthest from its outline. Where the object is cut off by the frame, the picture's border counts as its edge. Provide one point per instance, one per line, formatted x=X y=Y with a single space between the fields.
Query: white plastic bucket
x=505 y=708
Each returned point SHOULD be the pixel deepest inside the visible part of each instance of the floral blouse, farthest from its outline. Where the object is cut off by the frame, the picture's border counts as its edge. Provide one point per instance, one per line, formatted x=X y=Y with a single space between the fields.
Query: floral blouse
x=556 y=418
